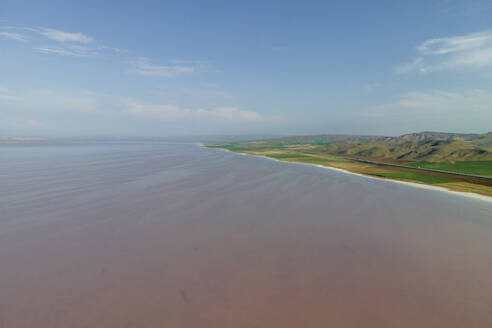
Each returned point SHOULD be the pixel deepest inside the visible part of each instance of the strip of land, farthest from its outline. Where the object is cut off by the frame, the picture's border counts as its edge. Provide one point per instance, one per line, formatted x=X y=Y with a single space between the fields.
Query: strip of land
x=461 y=166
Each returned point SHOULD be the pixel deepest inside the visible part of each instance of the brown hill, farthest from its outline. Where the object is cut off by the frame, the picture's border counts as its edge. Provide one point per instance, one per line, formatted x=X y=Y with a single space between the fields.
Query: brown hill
x=431 y=150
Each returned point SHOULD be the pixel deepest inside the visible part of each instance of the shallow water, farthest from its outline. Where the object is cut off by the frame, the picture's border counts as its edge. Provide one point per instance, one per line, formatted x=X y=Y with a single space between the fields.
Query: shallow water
x=155 y=235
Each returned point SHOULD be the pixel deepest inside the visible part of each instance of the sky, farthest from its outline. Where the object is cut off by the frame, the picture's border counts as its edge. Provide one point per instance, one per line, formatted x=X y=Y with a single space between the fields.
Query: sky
x=174 y=68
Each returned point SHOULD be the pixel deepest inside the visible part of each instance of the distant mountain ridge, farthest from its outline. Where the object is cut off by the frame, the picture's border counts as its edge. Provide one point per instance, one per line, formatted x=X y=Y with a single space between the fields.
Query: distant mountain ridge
x=429 y=135
x=423 y=146
x=419 y=136
x=430 y=150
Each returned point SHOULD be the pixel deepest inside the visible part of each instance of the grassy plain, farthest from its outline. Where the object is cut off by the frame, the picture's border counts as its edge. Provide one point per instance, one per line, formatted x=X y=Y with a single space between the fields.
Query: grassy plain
x=471 y=167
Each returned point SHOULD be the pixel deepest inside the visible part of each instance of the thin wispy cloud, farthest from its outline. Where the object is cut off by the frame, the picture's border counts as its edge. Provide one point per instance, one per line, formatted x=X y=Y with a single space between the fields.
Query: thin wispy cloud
x=51 y=34
x=58 y=42
x=470 y=51
x=96 y=103
x=13 y=36
x=49 y=41
x=62 y=36
x=143 y=66
x=70 y=50
x=455 y=44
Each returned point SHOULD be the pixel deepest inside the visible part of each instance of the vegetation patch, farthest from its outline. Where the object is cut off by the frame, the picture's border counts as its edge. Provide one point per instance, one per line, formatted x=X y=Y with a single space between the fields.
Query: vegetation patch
x=413 y=177
x=288 y=156
x=470 y=167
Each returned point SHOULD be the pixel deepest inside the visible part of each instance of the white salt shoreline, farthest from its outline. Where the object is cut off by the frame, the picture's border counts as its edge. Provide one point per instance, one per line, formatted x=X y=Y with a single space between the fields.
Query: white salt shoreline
x=412 y=184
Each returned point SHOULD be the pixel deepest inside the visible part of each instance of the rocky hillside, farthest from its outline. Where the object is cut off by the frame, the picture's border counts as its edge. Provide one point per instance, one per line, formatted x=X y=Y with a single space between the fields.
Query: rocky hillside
x=424 y=146
x=432 y=150
x=419 y=137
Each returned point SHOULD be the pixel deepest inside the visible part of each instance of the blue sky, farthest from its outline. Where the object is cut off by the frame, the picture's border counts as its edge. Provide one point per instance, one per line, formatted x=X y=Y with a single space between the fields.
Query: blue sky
x=161 y=68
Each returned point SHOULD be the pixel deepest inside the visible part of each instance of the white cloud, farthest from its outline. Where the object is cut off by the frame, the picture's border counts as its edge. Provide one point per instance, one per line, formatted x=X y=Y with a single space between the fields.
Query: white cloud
x=62 y=36
x=58 y=42
x=13 y=36
x=142 y=66
x=471 y=51
x=70 y=44
x=95 y=103
x=454 y=44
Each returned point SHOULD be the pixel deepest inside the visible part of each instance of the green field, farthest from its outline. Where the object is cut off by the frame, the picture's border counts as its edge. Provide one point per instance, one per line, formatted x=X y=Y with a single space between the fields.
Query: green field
x=289 y=156
x=471 y=167
x=413 y=177
x=245 y=146
x=230 y=147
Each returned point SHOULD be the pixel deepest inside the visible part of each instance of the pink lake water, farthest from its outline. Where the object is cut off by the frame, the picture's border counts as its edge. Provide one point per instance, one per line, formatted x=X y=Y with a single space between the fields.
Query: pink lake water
x=155 y=235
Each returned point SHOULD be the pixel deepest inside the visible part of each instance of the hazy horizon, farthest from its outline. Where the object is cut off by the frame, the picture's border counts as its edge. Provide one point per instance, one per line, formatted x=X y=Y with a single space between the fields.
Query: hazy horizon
x=207 y=137
x=277 y=68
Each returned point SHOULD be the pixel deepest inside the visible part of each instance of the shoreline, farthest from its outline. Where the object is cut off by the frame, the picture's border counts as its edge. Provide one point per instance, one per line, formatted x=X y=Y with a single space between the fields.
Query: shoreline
x=412 y=184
